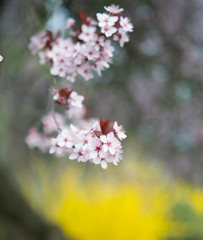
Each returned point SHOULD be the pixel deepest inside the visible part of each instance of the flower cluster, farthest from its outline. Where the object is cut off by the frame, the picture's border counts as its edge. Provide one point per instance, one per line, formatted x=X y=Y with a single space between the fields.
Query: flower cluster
x=42 y=140
x=73 y=102
x=88 y=48
x=35 y=139
x=98 y=143
x=114 y=24
x=68 y=97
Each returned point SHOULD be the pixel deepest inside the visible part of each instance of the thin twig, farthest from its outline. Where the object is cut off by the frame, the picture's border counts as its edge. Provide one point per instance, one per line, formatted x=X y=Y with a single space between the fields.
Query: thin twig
x=53 y=107
x=54 y=116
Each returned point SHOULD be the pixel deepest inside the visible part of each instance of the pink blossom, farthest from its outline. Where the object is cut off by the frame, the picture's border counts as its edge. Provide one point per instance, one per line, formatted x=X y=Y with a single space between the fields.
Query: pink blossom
x=38 y=42
x=113 y=9
x=125 y=24
x=119 y=131
x=76 y=113
x=91 y=21
x=79 y=154
x=43 y=58
x=55 y=148
x=91 y=126
x=108 y=30
x=106 y=20
x=71 y=74
x=87 y=33
x=49 y=124
x=103 y=164
x=75 y=100
x=66 y=96
x=107 y=50
x=96 y=149
x=92 y=52
x=98 y=40
x=99 y=65
x=121 y=36
x=85 y=71
x=65 y=139
x=35 y=139
x=70 y=23
x=110 y=143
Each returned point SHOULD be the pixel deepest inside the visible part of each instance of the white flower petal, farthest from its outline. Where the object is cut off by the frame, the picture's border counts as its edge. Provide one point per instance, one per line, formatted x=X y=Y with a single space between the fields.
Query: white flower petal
x=61 y=142
x=69 y=144
x=52 y=150
x=73 y=156
x=82 y=159
x=104 y=164
x=97 y=160
x=93 y=154
x=103 y=138
x=112 y=150
x=110 y=136
x=122 y=135
x=102 y=154
x=105 y=148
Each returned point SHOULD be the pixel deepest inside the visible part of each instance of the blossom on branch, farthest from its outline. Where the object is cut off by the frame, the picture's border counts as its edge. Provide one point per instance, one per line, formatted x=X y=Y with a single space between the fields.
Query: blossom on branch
x=98 y=143
x=84 y=51
x=126 y=24
x=113 y=9
x=88 y=48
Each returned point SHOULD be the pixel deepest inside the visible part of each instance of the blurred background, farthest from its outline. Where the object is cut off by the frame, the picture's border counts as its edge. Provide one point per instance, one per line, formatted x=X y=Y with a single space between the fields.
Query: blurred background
x=153 y=88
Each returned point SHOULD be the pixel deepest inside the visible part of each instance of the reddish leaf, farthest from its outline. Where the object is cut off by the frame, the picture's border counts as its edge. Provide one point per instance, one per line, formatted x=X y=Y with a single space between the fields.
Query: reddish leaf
x=110 y=128
x=106 y=126
x=98 y=133
x=64 y=92
x=83 y=17
x=58 y=34
x=51 y=39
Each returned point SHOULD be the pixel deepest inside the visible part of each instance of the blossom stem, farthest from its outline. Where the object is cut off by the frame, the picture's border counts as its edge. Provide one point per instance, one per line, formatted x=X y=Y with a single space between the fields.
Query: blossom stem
x=54 y=116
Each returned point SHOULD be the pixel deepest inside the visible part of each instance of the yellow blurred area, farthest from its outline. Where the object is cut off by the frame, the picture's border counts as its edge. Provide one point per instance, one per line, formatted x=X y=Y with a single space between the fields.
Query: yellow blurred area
x=131 y=201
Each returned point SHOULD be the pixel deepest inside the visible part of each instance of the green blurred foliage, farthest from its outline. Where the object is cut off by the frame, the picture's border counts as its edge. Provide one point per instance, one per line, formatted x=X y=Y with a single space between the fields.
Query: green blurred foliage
x=183 y=214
